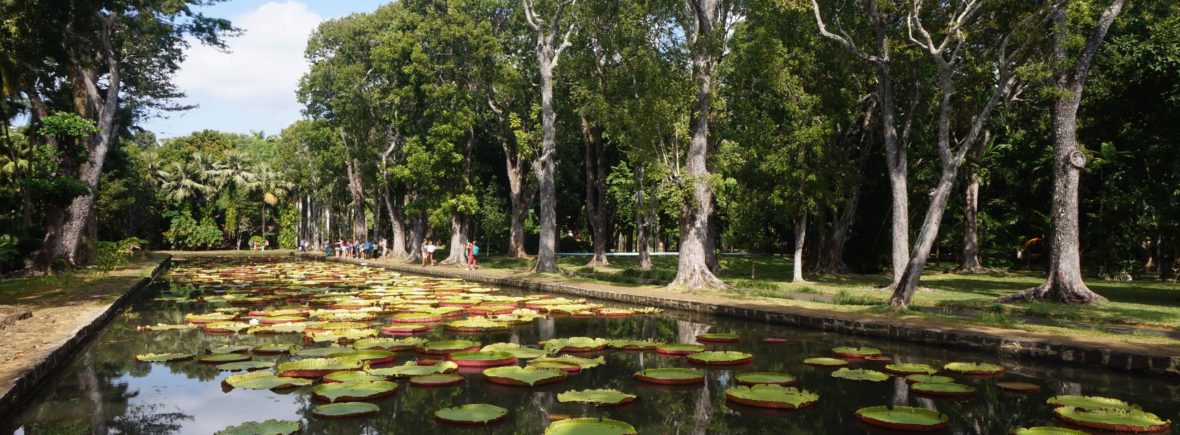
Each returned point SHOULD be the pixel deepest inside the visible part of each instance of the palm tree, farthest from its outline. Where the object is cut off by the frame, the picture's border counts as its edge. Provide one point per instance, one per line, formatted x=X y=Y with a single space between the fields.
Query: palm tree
x=272 y=187
x=182 y=183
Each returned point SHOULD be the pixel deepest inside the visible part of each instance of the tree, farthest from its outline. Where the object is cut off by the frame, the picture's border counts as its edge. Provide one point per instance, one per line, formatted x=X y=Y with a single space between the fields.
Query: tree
x=547 y=30
x=1064 y=283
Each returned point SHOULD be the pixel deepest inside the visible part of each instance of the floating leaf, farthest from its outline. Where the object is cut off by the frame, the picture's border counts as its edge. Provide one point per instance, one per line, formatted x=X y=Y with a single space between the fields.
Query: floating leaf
x=436 y=380
x=974 y=368
x=518 y=351
x=163 y=357
x=1090 y=402
x=447 y=346
x=679 y=349
x=245 y=365
x=860 y=375
x=472 y=413
x=903 y=418
x=944 y=389
x=575 y=344
x=316 y=367
x=1018 y=387
x=856 y=352
x=1119 y=420
x=482 y=358
x=581 y=362
x=720 y=357
x=597 y=397
x=345 y=409
x=1047 y=430
x=523 y=376
x=928 y=379
x=588 y=426
x=476 y=325
x=218 y=358
x=385 y=343
x=771 y=396
x=264 y=380
x=825 y=362
x=353 y=391
x=413 y=369
x=229 y=349
x=754 y=378
x=164 y=327
x=628 y=344
x=269 y=427
x=718 y=337
x=670 y=376
x=910 y=369
x=351 y=376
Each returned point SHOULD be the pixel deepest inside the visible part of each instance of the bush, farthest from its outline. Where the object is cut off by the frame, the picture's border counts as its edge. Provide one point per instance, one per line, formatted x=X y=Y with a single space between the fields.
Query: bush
x=113 y=255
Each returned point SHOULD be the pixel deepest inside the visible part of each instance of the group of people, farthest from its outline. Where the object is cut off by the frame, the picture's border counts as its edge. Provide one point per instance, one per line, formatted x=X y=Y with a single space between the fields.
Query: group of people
x=256 y=245
x=350 y=249
x=428 y=248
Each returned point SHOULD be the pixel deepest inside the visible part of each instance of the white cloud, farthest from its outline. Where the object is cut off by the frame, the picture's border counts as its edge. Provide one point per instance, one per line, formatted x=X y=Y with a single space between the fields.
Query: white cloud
x=261 y=73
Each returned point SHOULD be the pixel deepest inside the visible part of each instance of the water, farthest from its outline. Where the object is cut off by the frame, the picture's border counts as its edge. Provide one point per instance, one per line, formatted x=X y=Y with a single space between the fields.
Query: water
x=105 y=391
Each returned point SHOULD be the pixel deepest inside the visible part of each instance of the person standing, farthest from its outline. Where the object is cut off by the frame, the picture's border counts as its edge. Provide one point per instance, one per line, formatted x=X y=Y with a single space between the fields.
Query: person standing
x=472 y=249
x=426 y=253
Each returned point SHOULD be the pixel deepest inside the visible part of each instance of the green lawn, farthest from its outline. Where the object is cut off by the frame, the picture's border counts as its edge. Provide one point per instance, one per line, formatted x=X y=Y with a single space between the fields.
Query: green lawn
x=81 y=284
x=1142 y=304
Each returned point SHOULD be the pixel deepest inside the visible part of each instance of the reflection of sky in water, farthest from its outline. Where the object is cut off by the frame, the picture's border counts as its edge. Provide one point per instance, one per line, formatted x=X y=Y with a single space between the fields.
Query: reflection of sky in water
x=213 y=409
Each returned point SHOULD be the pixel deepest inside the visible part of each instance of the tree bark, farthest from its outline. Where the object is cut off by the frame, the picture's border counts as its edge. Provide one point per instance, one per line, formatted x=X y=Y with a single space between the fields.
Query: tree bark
x=417 y=237
x=595 y=174
x=1064 y=282
x=520 y=196
x=457 y=248
x=643 y=223
x=356 y=189
x=692 y=270
x=393 y=204
x=800 y=237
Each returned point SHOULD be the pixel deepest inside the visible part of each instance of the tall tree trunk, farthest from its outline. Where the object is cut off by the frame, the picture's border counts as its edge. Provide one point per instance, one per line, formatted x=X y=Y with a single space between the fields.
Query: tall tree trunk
x=970 y=258
x=393 y=205
x=800 y=238
x=357 y=189
x=520 y=196
x=831 y=256
x=595 y=175
x=417 y=236
x=1064 y=282
x=457 y=248
x=643 y=223
x=692 y=270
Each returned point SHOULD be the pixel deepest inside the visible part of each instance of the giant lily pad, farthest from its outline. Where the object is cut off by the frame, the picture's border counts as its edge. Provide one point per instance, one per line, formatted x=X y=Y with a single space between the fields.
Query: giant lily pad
x=1018 y=387
x=825 y=362
x=351 y=376
x=200 y=319
x=386 y=343
x=755 y=378
x=518 y=351
x=628 y=344
x=229 y=349
x=906 y=418
x=345 y=410
x=974 y=368
x=771 y=396
x=163 y=357
x=245 y=365
x=269 y=427
x=589 y=426
x=436 y=380
x=1119 y=420
x=164 y=327
x=1047 y=430
x=855 y=352
x=317 y=367
x=1089 y=402
x=353 y=391
x=340 y=335
x=679 y=349
x=264 y=380
x=582 y=363
x=476 y=325
x=523 y=376
x=718 y=337
x=220 y=358
x=943 y=389
x=928 y=379
x=605 y=397
x=720 y=358
x=910 y=369
x=404 y=328
x=670 y=376
x=860 y=375
x=225 y=327
x=575 y=344
x=417 y=318
x=447 y=346
x=274 y=349
x=482 y=359
x=411 y=368
x=323 y=352
x=471 y=413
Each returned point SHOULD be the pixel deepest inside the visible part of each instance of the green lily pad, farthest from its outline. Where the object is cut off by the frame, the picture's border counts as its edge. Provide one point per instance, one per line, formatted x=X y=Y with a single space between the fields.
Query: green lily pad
x=518 y=351
x=727 y=357
x=928 y=379
x=264 y=380
x=627 y=344
x=670 y=376
x=269 y=427
x=164 y=327
x=353 y=391
x=1119 y=420
x=523 y=376
x=472 y=413
x=447 y=346
x=575 y=344
x=218 y=358
x=581 y=362
x=860 y=375
x=229 y=349
x=482 y=358
x=412 y=368
x=945 y=389
x=476 y=325
x=323 y=352
x=679 y=349
x=604 y=397
x=1046 y=430
x=226 y=326
x=1090 y=402
x=316 y=367
x=275 y=349
x=974 y=368
x=245 y=365
x=754 y=378
x=771 y=396
x=345 y=409
x=386 y=343
x=910 y=369
x=856 y=352
x=436 y=380
x=718 y=337
x=351 y=376
x=590 y=426
x=337 y=335
x=903 y=418
x=163 y=357
x=825 y=362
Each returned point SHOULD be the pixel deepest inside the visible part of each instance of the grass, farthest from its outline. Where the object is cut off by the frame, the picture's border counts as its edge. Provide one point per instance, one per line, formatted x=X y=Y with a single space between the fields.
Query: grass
x=65 y=288
x=1143 y=304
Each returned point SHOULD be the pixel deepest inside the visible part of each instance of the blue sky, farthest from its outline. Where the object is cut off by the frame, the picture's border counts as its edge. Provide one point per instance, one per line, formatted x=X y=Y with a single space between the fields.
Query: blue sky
x=251 y=88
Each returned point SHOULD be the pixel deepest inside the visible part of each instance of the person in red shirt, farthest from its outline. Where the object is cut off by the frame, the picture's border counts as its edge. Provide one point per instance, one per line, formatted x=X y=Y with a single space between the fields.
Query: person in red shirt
x=472 y=249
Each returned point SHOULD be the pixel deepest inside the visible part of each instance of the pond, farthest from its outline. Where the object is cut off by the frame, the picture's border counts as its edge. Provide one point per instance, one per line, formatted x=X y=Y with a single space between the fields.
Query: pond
x=105 y=390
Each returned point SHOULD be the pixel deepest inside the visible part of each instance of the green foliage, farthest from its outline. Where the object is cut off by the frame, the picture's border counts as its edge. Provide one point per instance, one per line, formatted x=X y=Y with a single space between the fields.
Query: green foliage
x=184 y=232
x=113 y=255
x=288 y=220
x=67 y=125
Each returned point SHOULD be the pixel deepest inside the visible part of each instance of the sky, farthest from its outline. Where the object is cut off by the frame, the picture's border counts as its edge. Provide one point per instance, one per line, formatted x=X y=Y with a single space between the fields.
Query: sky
x=251 y=88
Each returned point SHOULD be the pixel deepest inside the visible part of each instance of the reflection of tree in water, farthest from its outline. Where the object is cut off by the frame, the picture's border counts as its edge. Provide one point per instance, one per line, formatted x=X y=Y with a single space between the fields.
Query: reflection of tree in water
x=148 y=420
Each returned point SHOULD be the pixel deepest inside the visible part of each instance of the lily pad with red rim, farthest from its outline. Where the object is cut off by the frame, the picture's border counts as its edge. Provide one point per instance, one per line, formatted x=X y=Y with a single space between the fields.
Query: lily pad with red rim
x=774 y=340
x=268 y=427
x=230 y=349
x=387 y=343
x=720 y=358
x=412 y=368
x=943 y=389
x=602 y=397
x=345 y=410
x=564 y=366
x=1018 y=387
x=482 y=358
x=718 y=337
x=404 y=328
x=679 y=349
x=447 y=346
x=670 y=376
x=1047 y=430
x=860 y=375
x=472 y=413
x=974 y=368
x=523 y=376
x=163 y=357
x=351 y=376
x=1089 y=402
x=771 y=396
x=245 y=365
x=905 y=369
x=436 y=380
x=353 y=391
x=590 y=426
x=416 y=318
x=264 y=380
x=1110 y=419
x=928 y=379
x=581 y=362
x=575 y=344
x=774 y=378
x=855 y=352
x=275 y=349
x=317 y=367
x=825 y=362
x=518 y=351
x=476 y=325
x=905 y=418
